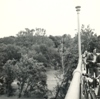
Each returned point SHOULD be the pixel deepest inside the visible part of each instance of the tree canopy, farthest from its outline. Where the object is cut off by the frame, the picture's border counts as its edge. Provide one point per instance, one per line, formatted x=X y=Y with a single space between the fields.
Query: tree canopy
x=27 y=56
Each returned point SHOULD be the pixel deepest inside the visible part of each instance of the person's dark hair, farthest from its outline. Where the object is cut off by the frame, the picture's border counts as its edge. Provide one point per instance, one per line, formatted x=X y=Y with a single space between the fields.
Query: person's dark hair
x=91 y=49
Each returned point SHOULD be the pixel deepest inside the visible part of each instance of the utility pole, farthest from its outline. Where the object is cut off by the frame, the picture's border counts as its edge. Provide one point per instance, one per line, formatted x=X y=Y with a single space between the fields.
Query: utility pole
x=62 y=55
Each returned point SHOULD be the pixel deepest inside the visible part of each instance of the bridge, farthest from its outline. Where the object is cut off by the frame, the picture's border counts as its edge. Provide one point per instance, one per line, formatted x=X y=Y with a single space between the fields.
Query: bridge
x=78 y=85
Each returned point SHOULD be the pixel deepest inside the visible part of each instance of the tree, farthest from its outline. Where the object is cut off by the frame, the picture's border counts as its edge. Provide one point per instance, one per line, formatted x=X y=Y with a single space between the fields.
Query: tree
x=67 y=40
x=55 y=40
x=9 y=52
x=31 y=74
x=27 y=39
x=28 y=32
x=40 y=32
x=89 y=38
x=8 y=40
x=9 y=75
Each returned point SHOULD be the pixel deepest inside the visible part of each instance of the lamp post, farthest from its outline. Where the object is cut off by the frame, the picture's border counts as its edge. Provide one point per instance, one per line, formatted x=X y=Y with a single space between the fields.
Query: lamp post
x=79 y=35
x=79 y=43
x=74 y=91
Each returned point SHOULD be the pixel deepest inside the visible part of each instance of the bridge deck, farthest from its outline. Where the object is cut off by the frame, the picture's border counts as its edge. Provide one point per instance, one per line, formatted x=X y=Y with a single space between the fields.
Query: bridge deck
x=96 y=89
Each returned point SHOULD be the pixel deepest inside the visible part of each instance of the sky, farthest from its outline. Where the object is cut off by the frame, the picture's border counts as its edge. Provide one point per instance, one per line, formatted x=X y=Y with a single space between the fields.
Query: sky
x=58 y=17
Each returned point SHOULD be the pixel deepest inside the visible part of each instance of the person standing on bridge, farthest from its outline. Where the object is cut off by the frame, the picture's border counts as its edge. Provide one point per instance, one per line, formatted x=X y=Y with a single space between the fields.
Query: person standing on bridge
x=95 y=69
x=84 y=58
x=88 y=58
x=91 y=59
x=94 y=62
x=90 y=62
x=98 y=61
x=98 y=65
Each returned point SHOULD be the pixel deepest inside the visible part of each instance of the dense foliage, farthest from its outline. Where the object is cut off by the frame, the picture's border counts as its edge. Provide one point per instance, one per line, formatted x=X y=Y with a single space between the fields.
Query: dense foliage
x=27 y=56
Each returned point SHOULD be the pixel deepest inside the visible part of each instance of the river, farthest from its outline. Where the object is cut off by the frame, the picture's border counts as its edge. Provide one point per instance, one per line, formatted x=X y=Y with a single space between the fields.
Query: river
x=52 y=79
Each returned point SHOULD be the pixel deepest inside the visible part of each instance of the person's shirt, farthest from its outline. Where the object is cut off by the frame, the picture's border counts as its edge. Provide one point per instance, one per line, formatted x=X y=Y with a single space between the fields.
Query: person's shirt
x=89 y=58
x=98 y=59
x=94 y=58
x=84 y=56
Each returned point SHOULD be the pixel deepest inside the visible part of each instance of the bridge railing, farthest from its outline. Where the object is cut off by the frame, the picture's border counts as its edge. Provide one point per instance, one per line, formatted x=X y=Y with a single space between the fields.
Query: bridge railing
x=74 y=88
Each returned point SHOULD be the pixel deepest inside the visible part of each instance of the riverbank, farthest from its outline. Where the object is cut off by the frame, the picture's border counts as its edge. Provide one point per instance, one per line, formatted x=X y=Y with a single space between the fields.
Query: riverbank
x=52 y=82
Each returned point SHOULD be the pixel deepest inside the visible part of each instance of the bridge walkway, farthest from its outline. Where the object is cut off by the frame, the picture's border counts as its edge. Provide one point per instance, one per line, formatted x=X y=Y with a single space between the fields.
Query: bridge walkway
x=96 y=90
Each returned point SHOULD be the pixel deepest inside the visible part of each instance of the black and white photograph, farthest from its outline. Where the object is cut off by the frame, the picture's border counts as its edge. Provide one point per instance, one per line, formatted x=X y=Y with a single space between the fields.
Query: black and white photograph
x=49 y=49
